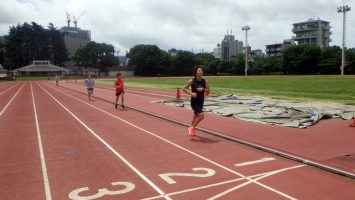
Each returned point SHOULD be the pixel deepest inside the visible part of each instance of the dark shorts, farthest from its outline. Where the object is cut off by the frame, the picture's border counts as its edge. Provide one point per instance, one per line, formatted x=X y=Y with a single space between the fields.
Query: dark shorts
x=197 y=107
x=90 y=89
x=119 y=93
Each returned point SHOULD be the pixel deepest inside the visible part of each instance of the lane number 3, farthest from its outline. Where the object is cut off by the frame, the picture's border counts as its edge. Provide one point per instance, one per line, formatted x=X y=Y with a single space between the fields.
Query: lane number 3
x=74 y=195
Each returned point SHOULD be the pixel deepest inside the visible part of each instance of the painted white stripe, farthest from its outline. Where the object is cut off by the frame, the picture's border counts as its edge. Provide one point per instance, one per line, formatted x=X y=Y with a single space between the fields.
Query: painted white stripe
x=222 y=183
x=108 y=146
x=3 y=110
x=4 y=84
x=155 y=98
x=162 y=95
x=8 y=89
x=254 y=162
x=176 y=145
x=41 y=152
x=259 y=178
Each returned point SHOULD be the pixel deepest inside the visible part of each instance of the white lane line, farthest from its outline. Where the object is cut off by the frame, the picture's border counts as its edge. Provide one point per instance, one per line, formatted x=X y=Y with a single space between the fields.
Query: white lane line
x=196 y=189
x=3 y=110
x=41 y=152
x=2 y=85
x=152 y=90
x=224 y=182
x=176 y=145
x=170 y=96
x=155 y=98
x=8 y=89
x=146 y=91
x=259 y=178
x=254 y=162
x=108 y=146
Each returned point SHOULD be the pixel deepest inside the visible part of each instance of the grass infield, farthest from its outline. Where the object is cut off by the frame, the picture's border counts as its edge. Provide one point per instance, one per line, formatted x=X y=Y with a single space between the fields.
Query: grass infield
x=310 y=88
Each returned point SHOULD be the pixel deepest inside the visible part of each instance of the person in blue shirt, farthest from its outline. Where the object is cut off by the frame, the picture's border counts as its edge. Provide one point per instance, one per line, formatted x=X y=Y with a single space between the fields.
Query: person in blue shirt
x=89 y=82
x=196 y=88
x=56 y=78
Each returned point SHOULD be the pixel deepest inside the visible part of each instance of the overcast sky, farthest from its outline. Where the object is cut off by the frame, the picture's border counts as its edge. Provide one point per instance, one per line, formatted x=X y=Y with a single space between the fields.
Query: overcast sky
x=181 y=24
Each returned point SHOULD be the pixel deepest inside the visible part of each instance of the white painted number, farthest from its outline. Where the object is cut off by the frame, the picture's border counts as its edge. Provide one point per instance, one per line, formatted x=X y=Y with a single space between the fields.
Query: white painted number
x=209 y=172
x=74 y=195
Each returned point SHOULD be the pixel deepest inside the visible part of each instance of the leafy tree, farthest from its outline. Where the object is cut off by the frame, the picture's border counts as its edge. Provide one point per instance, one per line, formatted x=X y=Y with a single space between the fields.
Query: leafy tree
x=350 y=61
x=59 y=53
x=238 y=64
x=266 y=65
x=146 y=59
x=302 y=59
x=165 y=67
x=184 y=62
x=2 y=56
x=28 y=42
x=225 y=67
x=97 y=55
x=208 y=62
x=330 y=60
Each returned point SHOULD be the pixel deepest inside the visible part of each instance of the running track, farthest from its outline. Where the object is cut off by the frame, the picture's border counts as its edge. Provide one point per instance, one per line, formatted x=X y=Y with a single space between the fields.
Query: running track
x=55 y=144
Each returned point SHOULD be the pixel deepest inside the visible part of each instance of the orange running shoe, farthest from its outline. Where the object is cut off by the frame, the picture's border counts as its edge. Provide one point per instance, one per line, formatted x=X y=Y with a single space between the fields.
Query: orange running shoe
x=192 y=131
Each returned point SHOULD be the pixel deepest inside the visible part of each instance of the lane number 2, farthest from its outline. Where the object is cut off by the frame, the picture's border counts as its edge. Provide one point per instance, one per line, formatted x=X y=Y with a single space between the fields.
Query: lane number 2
x=74 y=195
x=168 y=179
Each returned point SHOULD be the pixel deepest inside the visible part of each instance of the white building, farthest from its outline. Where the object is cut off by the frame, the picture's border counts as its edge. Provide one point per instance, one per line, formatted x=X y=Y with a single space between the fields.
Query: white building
x=41 y=68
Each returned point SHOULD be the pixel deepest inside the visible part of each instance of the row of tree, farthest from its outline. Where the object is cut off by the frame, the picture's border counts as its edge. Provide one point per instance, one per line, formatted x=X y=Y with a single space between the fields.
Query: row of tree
x=303 y=59
x=96 y=55
x=28 y=42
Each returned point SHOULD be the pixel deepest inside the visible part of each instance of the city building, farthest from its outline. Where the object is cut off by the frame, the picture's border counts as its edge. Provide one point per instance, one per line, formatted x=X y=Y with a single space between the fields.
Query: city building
x=74 y=38
x=256 y=54
x=121 y=60
x=276 y=49
x=217 y=53
x=173 y=52
x=273 y=49
x=312 y=32
x=230 y=47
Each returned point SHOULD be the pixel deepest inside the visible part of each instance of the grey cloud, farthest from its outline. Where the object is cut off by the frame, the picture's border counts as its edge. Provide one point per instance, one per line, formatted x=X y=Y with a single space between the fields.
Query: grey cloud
x=183 y=24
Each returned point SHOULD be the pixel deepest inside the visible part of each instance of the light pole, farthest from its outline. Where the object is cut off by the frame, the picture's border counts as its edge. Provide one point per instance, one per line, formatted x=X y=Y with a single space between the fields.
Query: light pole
x=343 y=9
x=246 y=28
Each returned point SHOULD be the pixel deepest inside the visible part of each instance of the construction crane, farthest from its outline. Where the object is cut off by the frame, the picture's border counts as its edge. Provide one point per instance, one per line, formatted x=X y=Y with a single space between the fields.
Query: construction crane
x=68 y=19
x=75 y=20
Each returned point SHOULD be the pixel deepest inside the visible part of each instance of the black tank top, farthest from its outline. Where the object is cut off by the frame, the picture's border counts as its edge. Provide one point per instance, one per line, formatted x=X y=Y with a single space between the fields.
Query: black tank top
x=200 y=95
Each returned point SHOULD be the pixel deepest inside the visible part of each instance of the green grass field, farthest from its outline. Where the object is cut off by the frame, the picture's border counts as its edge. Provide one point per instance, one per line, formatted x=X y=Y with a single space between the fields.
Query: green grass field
x=34 y=78
x=312 y=88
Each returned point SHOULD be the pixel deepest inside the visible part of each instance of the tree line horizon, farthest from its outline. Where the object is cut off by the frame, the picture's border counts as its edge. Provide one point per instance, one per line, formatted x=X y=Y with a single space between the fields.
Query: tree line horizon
x=27 y=42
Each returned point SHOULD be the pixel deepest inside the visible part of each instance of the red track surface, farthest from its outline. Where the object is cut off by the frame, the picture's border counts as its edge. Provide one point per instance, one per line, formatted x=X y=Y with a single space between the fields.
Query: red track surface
x=87 y=145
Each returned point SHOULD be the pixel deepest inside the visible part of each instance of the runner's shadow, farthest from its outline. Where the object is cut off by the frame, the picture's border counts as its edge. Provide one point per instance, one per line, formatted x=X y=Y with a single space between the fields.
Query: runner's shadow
x=205 y=140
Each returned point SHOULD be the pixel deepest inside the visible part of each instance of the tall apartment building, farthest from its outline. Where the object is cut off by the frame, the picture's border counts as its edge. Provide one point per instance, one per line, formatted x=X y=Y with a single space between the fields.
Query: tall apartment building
x=74 y=38
x=230 y=47
x=312 y=32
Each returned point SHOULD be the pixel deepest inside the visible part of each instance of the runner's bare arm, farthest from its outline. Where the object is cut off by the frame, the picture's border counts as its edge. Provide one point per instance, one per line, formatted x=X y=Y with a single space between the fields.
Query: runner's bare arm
x=187 y=86
x=207 y=87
